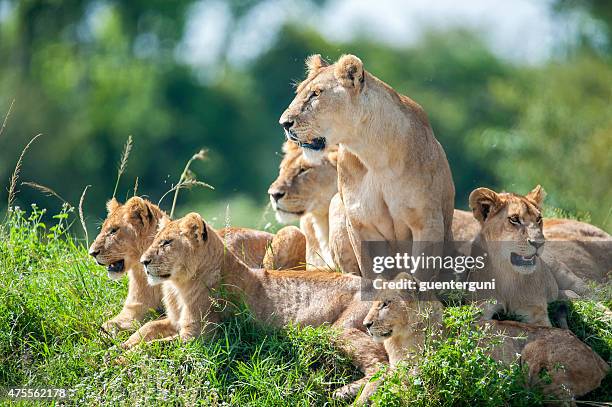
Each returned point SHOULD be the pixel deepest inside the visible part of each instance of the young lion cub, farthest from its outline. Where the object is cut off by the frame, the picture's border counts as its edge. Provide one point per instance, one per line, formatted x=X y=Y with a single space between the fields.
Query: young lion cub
x=192 y=262
x=128 y=231
x=527 y=277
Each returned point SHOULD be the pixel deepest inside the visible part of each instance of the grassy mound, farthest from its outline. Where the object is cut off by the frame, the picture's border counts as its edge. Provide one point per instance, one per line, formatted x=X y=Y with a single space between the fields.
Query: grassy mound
x=54 y=299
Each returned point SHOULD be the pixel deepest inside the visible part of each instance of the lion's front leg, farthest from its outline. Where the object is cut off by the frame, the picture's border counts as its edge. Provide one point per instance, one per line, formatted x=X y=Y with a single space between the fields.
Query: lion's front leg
x=535 y=314
x=428 y=241
x=141 y=300
x=127 y=319
x=158 y=329
x=367 y=356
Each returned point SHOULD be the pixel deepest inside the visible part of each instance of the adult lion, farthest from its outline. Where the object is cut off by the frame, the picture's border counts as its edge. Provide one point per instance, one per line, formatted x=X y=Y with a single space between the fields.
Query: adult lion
x=128 y=231
x=307 y=191
x=393 y=175
x=190 y=259
x=302 y=191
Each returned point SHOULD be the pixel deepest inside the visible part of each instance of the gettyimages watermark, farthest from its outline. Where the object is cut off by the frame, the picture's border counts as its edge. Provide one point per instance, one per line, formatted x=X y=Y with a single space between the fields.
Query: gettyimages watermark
x=468 y=270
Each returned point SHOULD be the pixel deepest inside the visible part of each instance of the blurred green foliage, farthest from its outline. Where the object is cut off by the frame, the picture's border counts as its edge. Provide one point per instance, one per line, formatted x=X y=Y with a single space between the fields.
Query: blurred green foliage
x=87 y=74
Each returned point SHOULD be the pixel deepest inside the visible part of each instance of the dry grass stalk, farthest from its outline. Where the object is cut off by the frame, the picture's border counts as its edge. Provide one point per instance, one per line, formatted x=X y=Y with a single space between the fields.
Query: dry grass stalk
x=81 y=216
x=6 y=117
x=15 y=177
x=123 y=163
x=185 y=185
x=45 y=190
x=187 y=177
x=136 y=186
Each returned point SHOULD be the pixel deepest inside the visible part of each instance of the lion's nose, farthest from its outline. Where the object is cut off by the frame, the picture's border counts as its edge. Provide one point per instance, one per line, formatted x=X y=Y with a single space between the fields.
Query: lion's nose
x=145 y=262
x=536 y=243
x=94 y=253
x=287 y=124
x=368 y=324
x=276 y=195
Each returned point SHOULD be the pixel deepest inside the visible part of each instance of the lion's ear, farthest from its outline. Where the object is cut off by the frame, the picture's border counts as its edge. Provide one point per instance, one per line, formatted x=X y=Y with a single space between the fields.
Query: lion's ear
x=537 y=195
x=163 y=222
x=194 y=226
x=349 y=71
x=314 y=63
x=112 y=205
x=483 y=203
x=140 y=210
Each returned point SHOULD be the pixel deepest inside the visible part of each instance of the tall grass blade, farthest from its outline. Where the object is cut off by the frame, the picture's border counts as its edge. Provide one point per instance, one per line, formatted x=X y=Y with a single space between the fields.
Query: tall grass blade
x=6 y=117
x=15 y=177
x=123 y=163
x=81 y=216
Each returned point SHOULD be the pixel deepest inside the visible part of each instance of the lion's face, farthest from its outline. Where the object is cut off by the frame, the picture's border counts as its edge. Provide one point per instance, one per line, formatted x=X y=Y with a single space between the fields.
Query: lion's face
x=325 y=103
x=511 y=226
x=126 y=232
x=303 y=186
x=386 y=317
x=177 y=250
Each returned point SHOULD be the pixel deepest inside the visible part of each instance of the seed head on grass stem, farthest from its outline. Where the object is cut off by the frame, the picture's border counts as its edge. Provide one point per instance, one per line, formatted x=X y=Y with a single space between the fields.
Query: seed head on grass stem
x=123 y=163
x=187 y=178
x=15 y=177
x=45 y=190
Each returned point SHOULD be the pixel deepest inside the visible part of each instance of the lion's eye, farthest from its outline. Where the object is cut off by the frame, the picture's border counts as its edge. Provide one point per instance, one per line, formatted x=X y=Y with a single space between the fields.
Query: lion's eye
x=385 y=304
x=113 y=230
x=313 y=95
x=514 y=220
x=539 y=219
x=303 y=170
x=166 y=242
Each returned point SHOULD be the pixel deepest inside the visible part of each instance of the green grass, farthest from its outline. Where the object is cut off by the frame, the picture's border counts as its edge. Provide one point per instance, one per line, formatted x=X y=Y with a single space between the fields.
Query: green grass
x=54 y=299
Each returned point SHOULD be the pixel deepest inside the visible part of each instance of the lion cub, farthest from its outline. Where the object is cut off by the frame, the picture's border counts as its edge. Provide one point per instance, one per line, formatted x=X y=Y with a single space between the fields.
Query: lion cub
x=403 y=324
x=574 y=368
x=512 y=241
x=128 y=231
x=195 y=267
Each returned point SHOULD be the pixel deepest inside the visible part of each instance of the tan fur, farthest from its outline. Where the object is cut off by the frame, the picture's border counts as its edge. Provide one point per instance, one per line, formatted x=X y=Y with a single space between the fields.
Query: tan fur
x=305 y=189
x=188 y=256
x=573 y=367
x=287 y=250
x=403 y=325
x=136 y=223
x=513 y=224
x=343 y=254
x=393 y=176
x=126 y=233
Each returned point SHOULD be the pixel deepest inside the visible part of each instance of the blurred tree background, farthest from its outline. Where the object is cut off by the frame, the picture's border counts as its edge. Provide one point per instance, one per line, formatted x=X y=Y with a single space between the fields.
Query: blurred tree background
x=89 y=73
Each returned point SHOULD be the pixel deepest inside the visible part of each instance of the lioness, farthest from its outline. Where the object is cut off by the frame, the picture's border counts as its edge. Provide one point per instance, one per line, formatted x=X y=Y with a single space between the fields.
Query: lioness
x=393 y=175
x=128 y=231
x=193 y=263
x=527 y=277
x=303 y=190
x=573 y=367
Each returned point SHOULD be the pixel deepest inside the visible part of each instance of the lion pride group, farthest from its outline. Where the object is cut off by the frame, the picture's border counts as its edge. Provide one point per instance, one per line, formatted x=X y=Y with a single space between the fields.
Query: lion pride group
x=361 y=163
